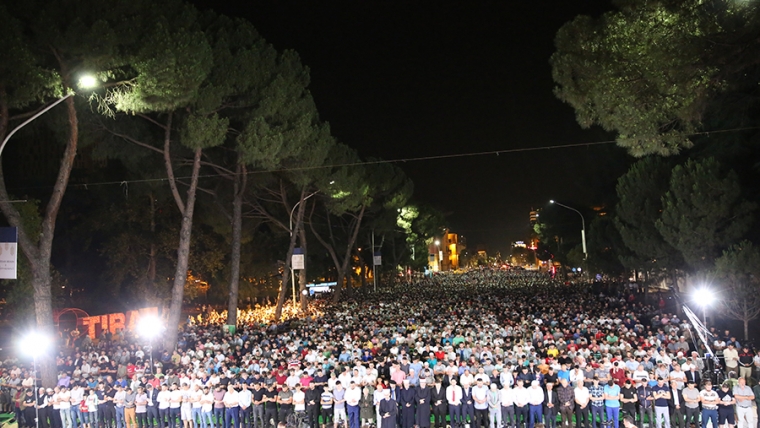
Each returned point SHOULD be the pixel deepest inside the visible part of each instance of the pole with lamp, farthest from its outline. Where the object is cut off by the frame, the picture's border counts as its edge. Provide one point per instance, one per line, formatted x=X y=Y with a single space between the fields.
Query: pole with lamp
x=290 y=229
x=35 y=344
x=149 y=327
x=438 y=257
x=85 y=82
x=704 y=297
x=583 y=225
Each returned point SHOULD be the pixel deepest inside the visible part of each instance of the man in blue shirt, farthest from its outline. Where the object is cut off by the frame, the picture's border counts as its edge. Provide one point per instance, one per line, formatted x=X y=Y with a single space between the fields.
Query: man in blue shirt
x=661 y=394
x=612 y=402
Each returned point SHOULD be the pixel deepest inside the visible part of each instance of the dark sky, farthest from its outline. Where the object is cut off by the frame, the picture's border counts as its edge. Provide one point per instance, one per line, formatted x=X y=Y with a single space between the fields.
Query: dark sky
x=401 y=79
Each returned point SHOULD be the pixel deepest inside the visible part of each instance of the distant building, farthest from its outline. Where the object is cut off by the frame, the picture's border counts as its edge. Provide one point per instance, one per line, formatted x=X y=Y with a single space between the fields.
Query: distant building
x=444 y=252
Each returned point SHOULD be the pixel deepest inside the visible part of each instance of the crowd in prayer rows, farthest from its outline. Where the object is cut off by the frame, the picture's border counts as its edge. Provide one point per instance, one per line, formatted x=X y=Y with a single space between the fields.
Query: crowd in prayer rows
x=486 y=348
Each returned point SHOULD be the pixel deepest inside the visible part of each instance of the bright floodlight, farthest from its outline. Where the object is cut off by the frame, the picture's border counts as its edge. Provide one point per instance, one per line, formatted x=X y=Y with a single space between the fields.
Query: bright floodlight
x=149 y=326
x=703 y=296
x=551 y=201
x=34 y=343
x=88 y=81
x=437 y=242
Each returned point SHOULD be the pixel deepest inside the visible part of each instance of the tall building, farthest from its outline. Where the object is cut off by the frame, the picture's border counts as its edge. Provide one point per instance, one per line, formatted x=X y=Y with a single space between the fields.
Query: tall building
x=444 y=252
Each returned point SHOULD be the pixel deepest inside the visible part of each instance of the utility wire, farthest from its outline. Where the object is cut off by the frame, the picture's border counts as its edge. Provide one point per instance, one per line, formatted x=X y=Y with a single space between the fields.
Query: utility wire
x=385 y=161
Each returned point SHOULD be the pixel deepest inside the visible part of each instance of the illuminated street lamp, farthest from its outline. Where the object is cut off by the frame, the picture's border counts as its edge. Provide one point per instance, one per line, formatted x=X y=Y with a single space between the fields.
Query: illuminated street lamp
x=703 y=297
x=150 y=327
x=34 y=344
x=85 y=82
x=583 y=226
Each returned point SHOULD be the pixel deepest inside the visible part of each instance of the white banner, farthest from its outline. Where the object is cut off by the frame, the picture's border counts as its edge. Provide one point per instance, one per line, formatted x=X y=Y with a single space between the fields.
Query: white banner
x=8 y=252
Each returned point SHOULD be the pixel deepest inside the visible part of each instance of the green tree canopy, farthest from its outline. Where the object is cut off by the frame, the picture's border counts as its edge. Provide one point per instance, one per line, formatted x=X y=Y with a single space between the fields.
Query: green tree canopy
x=703 y=211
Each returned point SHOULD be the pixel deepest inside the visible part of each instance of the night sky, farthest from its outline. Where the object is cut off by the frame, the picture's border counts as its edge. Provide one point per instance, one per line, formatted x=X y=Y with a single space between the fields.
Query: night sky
x=403 y=79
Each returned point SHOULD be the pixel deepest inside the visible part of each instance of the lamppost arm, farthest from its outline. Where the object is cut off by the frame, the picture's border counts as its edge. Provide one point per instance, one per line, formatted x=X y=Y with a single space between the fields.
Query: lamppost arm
x=583 y=225
x=290 y=225
x=26 y=122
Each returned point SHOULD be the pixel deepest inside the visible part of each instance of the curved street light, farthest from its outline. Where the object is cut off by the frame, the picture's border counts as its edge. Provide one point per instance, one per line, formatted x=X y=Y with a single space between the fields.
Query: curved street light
x=583 y=225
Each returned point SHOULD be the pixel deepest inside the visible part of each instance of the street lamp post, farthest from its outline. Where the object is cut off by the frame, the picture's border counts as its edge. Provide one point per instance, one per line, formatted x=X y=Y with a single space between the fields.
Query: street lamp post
x=290 y=229
x=35 y=343
x=85 y=82
x=583 y=226
x=438 y=257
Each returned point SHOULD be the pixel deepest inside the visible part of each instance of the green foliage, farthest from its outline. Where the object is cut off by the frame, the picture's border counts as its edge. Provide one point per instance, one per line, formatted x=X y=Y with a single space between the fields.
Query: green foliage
x=204 y=131
x=639 y=206
x=703 y=211
x=736 y=275
x=650 y=70
x=23 y=78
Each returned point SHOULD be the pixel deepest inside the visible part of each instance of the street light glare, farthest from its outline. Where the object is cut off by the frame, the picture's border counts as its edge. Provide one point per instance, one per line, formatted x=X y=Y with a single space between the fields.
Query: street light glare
x=703 y=296
x=437 y=242
x=88 y=81
x=149 y=326
x=34 y=343
x=551 y=201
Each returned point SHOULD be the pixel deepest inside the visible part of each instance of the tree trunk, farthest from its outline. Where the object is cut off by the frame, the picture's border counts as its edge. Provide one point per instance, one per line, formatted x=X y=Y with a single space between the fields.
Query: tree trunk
x=237 y=233
x=746 y=329
x=183 y=252
x=288 y=258
x=150 y=274
x=345 y=268
x=304 y=298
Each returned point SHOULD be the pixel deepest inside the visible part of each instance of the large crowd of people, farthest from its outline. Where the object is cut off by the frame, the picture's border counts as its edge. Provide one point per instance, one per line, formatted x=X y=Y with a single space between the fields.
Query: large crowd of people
x=485 y=348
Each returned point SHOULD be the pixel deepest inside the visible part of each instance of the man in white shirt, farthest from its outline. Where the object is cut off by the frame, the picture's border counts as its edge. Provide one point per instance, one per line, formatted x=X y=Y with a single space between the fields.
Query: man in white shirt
x=195 y=403
x=245 y=400
x=582 y=398
x=232 y=408
x=207 y=405
x=352 y=397
x=64 y=404
x=118 y=400
x=454 y=398
x=507 y=406
x=175 y=404
x=536 y=401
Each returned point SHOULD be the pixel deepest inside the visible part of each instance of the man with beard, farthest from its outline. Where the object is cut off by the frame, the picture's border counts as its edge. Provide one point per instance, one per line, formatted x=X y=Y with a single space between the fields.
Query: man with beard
x=423 y=398
x=406 y=399
x=388 y=410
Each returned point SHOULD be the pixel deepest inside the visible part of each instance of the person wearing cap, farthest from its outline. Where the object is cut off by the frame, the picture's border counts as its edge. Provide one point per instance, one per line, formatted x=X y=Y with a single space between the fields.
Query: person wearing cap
x=691 y=403
x=661 y=395
x=406 y=399
x=423 y=396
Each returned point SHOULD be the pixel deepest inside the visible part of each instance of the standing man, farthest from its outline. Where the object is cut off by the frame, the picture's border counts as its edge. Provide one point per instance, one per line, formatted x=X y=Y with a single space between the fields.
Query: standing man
x=232 y=408
x=118 y=400
x=423 y=397
x=353 y=395
x=468 y=405
x=245 y=400
x=646 y=403
x=285 y=401
x=731 y=356
x=388 y=410
x=521 y=397
x=612 y=402
x=439 y=403
x=566 y=396
x=690 y=396
x=270 y=406
x=406 y=398
x=494 y=407
x=130 y=416
x=661 y=395
x=677 y=405
x=536 y=402
x=582 y=400
x=311 y=396
x=596 y=393
x=164 y=401
x=551 y=406
x=628 y=399
x=744 y=398
x=709 y=400
x=480 y=396
x=454 y=398
x=152 y=407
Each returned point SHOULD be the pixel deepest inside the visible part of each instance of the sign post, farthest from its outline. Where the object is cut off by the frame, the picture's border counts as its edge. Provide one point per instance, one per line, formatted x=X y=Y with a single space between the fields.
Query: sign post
x=297 y=262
